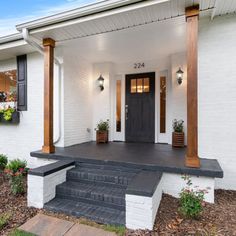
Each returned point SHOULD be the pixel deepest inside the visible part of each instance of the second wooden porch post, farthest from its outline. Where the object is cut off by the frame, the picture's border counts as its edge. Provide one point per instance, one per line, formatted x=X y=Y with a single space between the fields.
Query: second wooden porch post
x=49 y=45
x=192 y=15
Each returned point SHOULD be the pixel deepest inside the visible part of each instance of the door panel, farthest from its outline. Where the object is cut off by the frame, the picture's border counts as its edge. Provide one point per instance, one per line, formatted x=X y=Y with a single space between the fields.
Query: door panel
x=140 y=107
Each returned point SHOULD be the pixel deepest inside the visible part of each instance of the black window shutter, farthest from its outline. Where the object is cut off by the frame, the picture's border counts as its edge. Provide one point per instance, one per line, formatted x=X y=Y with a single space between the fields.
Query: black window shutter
x=22 y=83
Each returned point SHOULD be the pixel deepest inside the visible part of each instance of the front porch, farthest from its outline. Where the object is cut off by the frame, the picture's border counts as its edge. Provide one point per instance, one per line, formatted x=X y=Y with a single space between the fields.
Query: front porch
x=116 y=183
x=160 y=157
x=139 y=96
x=124 y=77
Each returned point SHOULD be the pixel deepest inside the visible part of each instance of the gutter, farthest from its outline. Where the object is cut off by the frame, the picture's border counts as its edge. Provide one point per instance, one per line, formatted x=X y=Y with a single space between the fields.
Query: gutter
x=11 y=38
x=30 y=41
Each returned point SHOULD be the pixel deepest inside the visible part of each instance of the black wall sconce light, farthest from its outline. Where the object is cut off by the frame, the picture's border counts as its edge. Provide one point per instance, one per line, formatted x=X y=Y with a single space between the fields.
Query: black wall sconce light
x=179 y=75
x=101 y=82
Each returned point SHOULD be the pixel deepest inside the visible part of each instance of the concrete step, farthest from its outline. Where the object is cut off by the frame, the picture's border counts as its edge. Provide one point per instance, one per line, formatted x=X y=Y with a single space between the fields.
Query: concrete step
x=95 y=193
x=100 y=214
x=120 y=177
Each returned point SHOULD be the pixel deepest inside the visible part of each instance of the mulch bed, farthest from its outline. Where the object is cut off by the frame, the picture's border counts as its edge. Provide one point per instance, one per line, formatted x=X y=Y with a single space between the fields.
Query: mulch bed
x=217 y=219
x=15 y=206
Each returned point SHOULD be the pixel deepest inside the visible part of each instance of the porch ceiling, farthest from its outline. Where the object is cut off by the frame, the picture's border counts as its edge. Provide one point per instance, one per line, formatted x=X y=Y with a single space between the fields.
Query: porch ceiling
x=125 y=17
x=143 y=43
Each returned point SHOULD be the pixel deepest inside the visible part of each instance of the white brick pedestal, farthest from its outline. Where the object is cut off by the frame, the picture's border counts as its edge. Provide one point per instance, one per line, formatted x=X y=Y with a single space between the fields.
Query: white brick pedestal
x=42 y=189
x=141 y=211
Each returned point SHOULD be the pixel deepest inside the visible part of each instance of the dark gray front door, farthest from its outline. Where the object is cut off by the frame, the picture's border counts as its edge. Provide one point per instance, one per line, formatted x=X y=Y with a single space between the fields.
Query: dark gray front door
x=140 y=108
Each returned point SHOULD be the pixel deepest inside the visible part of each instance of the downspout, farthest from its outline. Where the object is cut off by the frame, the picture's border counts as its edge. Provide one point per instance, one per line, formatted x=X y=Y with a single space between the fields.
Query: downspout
x=30 y=41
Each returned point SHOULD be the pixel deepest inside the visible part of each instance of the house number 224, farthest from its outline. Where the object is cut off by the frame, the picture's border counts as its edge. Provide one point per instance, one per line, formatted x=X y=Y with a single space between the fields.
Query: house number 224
x=139 y=65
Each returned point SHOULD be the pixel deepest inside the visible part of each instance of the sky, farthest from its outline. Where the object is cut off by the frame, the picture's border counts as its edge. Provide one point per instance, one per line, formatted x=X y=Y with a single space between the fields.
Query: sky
x=14 y=12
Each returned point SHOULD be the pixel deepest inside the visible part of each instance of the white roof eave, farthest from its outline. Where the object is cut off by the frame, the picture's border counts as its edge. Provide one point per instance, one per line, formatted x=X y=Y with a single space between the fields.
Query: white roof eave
x=90 y=9
x=11 y=38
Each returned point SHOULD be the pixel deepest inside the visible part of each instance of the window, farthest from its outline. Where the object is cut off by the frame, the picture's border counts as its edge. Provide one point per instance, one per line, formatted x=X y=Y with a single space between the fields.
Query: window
x=13 y=86
x=8 y=86
x=118 y=106
x=146 y=86
x=133 y=87
x=162 y=104
x=140 y=85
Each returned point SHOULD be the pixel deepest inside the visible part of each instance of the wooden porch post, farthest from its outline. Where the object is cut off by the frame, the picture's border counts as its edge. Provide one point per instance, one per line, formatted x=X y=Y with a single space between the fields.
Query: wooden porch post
x=192 y=15
x=48 y=45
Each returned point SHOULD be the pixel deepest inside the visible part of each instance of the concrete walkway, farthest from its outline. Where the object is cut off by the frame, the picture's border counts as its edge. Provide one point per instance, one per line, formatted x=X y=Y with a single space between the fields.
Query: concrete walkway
x=43 y=225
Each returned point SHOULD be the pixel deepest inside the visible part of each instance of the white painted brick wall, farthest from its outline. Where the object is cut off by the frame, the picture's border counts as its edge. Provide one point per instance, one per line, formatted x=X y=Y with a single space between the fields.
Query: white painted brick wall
x=102 y=99
x=17 y=141
x=141 y=211
x=43 y=189
x=173 y=184
x=217 y=95
x=178 y=92
x=78 y=100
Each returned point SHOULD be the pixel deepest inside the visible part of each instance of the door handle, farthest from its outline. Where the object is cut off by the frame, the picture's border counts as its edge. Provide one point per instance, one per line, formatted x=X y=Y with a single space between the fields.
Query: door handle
x=126 y=112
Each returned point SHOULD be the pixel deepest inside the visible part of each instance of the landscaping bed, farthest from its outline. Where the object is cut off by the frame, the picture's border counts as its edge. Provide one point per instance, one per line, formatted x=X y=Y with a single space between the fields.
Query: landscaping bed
x=15 y=207
x=217 y=219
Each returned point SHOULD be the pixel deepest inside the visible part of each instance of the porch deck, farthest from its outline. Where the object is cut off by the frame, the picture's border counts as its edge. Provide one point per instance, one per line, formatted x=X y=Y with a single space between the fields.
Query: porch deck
x=161 y=157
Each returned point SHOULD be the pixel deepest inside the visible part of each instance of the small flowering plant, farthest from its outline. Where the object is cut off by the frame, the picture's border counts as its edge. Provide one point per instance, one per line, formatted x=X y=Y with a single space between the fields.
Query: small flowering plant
x=16 y=170
x=191 y=199
x=16 y=180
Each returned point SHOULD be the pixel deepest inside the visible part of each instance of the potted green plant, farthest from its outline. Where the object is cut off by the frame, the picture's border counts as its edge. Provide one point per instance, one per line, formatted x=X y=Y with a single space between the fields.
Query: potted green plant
x=178 y=133
x=9 y=115
x=102 y=131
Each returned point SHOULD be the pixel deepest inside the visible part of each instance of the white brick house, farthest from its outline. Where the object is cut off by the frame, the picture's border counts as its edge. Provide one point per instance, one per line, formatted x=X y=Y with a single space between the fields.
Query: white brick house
x=110 y=38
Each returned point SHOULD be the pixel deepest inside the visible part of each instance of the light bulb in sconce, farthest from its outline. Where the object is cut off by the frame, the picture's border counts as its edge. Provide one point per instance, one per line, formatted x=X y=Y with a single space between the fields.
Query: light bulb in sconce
x=179 y=76
x=101 y=82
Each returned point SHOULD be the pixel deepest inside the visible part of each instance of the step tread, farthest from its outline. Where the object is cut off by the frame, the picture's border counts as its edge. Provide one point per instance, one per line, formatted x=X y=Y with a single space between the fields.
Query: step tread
x=92 y=187
x=96 y=213
x=92 y=192
x=104 y=171
x=118 y=177
x=107 y=167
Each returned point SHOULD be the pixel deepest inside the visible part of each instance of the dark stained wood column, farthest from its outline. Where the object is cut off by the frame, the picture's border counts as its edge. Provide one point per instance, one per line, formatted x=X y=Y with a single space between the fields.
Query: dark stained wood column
x=192 y=15
x=48 y=45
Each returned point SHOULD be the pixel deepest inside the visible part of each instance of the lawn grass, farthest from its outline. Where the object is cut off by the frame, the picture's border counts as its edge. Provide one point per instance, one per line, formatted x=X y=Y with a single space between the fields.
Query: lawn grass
x=18 y=232
x=4 y=218
x=119 y=230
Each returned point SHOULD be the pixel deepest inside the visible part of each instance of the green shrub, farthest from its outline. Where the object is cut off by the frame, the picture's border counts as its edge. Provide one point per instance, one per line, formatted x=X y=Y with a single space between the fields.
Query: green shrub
x=16 y=165
x=17 y=184
x=4 y=218
x=191 y=199
x=3 y=161
x=15 y=170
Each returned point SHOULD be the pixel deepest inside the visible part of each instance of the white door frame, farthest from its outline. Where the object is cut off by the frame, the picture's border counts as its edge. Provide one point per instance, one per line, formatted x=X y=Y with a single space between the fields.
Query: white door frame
x=120 y=136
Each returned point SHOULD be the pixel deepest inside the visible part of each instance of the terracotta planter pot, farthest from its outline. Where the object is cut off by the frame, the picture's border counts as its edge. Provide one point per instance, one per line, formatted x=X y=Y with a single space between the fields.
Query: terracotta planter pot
x=177 y=139
x=102 y=136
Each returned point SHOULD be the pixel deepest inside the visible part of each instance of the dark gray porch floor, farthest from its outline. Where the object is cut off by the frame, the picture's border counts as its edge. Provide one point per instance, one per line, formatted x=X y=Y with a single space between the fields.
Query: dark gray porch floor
x=160 y=157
